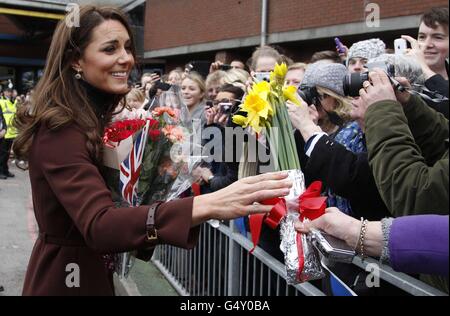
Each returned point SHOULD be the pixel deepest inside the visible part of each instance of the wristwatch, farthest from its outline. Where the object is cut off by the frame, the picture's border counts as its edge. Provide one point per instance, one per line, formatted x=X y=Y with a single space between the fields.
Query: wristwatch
x=152 y=234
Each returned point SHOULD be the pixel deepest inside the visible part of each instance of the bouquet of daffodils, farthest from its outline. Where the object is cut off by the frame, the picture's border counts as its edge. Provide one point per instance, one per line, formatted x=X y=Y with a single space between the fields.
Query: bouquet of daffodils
x=265 y=106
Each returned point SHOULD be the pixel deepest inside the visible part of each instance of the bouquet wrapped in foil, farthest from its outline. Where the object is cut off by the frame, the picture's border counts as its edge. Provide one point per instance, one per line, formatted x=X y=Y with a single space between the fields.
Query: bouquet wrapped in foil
x=301 y=258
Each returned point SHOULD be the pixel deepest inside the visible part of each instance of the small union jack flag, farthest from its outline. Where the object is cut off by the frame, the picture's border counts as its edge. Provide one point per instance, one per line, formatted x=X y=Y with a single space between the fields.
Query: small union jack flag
x=130 y=168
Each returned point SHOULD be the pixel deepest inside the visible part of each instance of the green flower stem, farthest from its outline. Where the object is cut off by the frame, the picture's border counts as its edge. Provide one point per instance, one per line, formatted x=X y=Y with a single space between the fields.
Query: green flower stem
x=278 y=141
x=292 y=161
x=291 y=139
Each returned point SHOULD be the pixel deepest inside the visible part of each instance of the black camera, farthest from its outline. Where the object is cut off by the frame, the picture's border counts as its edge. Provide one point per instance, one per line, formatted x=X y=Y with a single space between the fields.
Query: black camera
x=311 y=96
x=353 y=82
x=225 y=108
x=225 y=67
x=308 y=94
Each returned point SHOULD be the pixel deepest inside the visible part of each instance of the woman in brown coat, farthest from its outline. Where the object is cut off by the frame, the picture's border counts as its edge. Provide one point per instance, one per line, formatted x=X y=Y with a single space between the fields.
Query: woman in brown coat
x=85 y=77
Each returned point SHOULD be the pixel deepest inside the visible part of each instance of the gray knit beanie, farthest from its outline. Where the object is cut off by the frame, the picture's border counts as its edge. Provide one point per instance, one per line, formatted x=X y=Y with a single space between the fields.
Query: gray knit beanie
x=367 y=49
x=325 y=75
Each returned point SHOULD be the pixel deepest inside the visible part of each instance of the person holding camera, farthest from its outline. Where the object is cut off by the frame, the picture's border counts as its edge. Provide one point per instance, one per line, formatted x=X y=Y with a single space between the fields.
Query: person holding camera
x=340 y=159
x=219 y=174
x=412 y=171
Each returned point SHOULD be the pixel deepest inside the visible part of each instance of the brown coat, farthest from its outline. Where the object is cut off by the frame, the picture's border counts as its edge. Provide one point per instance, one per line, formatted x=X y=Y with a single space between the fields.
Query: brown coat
x=74 y=207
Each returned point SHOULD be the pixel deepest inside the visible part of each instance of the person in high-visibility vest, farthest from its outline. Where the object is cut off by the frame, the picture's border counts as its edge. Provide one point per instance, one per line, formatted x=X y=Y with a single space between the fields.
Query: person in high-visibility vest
x=9 y=108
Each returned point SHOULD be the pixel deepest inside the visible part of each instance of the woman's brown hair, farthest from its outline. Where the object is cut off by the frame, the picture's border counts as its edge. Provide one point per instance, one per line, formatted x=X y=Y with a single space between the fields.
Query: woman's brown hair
x=59 y=98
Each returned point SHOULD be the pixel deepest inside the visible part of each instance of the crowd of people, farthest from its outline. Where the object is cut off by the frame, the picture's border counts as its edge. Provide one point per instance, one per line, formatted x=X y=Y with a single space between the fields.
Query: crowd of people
x=373 y=127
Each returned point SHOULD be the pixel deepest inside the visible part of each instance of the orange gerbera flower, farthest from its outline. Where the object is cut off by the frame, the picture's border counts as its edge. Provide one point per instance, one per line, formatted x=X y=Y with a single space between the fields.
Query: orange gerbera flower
x=161 y=110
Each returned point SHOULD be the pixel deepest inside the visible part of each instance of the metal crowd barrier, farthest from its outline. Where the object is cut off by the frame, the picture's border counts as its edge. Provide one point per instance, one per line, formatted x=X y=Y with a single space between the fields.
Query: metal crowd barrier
x=221 y=265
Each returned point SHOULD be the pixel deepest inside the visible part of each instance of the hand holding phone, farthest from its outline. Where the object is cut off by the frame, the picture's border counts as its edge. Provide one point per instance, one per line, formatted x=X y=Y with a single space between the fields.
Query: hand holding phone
x=331 y=247
x=400 y=46
x=339 y=46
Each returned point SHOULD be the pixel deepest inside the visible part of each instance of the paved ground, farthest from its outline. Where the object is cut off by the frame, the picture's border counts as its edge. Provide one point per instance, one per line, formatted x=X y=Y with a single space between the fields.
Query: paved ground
x=17 y=234
x=17 y=230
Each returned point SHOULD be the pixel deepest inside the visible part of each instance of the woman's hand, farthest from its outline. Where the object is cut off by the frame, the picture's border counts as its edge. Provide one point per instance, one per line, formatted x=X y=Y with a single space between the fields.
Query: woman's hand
x=206 y=174
x=334 y=223
x=403 y=97
x=343 y=55
x=215 y=66
x=240 y=198
x=214 y=116
x=210 y=114
x=302 y=120
x=197 y=175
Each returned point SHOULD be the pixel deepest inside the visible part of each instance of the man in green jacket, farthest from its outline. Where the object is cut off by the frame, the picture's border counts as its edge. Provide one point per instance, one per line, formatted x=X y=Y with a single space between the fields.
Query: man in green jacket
x=407 y=147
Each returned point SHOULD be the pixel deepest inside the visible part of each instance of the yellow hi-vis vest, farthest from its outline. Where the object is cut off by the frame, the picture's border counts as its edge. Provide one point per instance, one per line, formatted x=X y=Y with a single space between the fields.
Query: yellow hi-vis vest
x=9 y=112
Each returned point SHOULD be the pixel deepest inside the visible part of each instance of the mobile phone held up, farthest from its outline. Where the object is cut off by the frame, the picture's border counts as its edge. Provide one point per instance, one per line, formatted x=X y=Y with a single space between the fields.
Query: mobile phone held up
x=340 y=47
x=261 y=76
x=332 y=248
x=162 y=85
x=201 y=67
x=400 y=46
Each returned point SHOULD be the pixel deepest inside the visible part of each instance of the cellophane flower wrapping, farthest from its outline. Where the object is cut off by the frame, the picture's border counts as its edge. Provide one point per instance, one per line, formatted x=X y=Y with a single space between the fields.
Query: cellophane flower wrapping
x=167 y=163
x=169 y=157
x=311 y=268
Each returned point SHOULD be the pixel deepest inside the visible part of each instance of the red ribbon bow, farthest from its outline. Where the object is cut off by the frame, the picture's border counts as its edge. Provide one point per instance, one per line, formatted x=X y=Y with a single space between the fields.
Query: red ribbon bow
x=312 y=206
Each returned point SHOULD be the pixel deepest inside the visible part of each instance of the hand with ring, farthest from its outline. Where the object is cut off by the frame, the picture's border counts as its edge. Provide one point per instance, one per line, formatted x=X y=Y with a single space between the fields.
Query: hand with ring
x=366 y=84
x=379 y=90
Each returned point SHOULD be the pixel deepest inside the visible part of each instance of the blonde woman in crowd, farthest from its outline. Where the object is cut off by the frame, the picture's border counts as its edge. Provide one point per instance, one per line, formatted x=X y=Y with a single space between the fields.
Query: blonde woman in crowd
x=294 y=75
x=236 y=77
x=175 y=77
x=134 y=108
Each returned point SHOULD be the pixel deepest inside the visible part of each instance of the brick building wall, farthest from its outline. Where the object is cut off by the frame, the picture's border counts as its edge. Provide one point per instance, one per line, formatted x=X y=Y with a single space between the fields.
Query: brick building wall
x=288 y=15
x=182 y=22
x=176 y=23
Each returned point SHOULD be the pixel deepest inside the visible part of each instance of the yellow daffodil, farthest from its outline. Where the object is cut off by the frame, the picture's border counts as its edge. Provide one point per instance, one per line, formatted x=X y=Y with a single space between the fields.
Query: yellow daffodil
x=257 y=109
x=278 y=74
x=240 y=120
x=262 y=89
x=290 y=93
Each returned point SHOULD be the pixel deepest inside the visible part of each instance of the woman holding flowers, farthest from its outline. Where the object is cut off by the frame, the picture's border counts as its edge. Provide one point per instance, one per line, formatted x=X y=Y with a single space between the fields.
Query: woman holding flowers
x=85 y=78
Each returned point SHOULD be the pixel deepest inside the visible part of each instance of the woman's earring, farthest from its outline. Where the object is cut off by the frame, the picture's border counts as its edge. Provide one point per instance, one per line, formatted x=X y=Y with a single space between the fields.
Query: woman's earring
x=78 y=75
